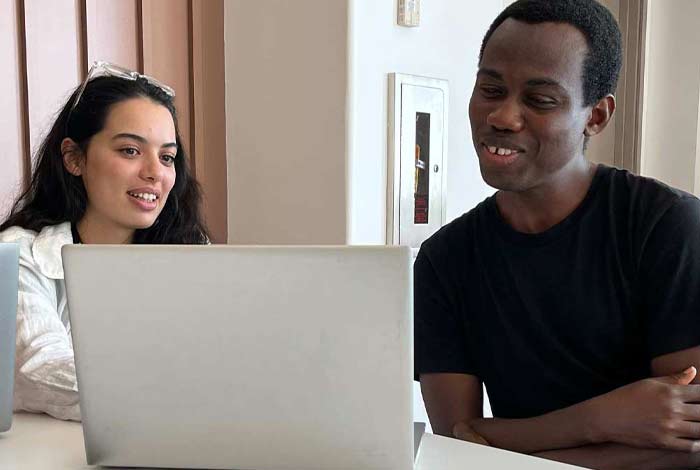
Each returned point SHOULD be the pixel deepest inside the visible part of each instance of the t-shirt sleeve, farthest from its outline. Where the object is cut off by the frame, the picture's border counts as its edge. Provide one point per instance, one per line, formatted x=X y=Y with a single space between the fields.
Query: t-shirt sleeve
x=670 y=279
x=440 y=344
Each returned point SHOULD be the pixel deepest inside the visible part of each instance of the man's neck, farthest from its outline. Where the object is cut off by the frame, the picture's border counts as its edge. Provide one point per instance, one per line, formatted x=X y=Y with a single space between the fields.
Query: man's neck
x=540 y=208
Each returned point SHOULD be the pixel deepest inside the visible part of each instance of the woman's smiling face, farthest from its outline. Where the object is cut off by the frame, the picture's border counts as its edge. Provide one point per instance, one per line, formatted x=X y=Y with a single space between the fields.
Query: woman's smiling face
x=129 y=167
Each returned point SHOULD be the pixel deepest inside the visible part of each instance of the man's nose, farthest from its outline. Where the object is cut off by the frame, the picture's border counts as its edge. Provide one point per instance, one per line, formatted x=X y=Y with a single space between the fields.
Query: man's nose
x=507 y=116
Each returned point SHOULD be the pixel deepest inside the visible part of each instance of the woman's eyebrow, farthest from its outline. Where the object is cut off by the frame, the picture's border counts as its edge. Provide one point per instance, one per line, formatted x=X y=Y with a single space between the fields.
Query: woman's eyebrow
x=127 y=135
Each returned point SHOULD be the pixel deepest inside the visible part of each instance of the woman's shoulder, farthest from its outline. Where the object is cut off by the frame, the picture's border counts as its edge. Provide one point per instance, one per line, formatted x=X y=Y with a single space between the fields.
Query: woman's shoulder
x=22 y=236
x=40 y=250
x=17 y=234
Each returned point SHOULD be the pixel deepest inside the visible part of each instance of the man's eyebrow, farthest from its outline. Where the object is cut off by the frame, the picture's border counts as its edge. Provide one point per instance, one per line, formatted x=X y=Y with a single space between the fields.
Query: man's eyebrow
x=543 y=82
x=539 y=81
x=127 y=135
x=490 y=73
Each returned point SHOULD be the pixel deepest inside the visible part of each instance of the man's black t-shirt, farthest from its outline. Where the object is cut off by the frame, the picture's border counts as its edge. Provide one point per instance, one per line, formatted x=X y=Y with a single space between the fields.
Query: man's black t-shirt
x=551 y=319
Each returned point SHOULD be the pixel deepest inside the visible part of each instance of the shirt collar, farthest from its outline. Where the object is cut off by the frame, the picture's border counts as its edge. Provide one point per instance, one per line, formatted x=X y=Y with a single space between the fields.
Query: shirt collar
x=46 y=249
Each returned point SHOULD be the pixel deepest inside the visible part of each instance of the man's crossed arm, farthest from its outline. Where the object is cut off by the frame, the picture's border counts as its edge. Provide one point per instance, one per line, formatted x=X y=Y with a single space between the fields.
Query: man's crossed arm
x=649 y=424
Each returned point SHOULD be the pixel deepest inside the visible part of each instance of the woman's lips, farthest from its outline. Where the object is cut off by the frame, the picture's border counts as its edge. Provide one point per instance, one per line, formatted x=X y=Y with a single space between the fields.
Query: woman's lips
x=142 y=203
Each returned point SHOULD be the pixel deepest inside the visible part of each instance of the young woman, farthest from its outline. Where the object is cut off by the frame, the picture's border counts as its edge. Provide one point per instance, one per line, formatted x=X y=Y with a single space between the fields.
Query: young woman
x=111 y=170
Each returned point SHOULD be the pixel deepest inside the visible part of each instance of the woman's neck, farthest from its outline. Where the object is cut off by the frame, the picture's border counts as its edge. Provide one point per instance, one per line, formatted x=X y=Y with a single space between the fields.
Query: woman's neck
x=92 y=230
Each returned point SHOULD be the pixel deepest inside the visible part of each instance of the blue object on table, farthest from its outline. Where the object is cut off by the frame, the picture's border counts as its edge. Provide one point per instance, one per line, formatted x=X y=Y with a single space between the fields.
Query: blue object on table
x=9 y=274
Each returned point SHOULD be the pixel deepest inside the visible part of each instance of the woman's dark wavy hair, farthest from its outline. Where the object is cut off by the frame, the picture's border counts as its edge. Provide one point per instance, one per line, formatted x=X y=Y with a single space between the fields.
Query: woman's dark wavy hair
x=601 y=66
x=55 y=196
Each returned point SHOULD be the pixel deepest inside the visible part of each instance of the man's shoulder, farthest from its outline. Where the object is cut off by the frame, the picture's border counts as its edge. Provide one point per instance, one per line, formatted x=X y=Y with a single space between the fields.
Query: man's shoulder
x=643 y=199
x=459 y=233
x=644 y=195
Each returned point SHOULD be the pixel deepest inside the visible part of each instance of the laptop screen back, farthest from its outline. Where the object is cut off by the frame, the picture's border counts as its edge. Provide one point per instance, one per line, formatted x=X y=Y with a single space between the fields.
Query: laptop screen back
x=244 y=357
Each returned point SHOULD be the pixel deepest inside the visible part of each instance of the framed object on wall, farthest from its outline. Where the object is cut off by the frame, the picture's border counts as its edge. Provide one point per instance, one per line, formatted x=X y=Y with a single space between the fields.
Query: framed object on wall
x=417 y=156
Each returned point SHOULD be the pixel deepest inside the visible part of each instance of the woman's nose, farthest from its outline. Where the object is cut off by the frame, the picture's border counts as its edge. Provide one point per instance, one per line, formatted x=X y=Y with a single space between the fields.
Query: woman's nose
x=151 y=168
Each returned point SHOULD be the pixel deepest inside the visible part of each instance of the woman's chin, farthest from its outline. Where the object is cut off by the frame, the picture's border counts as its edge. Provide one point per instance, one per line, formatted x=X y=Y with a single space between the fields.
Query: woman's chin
x=141 y=223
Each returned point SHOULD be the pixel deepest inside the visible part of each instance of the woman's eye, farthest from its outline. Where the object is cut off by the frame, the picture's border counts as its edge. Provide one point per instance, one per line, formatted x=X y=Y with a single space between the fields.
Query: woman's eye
x=168 y=159
x=130 y=151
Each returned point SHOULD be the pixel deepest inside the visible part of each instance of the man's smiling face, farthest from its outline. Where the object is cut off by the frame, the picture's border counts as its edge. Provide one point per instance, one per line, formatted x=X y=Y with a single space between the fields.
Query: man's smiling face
x=527 y=108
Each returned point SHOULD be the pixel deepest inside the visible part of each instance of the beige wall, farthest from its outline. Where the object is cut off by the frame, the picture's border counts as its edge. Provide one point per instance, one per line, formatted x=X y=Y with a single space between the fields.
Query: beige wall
x=286 y=78
x=672 y=93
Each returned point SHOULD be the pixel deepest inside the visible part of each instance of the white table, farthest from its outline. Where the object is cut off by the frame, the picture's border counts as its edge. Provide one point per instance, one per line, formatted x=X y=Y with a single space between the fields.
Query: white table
x=38 y=442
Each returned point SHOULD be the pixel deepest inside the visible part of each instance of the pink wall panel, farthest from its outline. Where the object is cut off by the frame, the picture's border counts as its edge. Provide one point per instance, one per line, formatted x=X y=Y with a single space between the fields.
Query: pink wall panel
x=53 y=60
x=113 y=32
x=12 y=156
x=209 y=113
x=166 y=53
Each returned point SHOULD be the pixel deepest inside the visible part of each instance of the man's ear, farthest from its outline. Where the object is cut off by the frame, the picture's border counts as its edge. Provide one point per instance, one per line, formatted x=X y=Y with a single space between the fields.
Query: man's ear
x=72 y=157
x=601 y=113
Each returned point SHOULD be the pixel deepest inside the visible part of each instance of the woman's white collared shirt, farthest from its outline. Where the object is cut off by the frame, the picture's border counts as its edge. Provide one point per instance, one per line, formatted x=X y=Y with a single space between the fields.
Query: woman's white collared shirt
x=45 y=379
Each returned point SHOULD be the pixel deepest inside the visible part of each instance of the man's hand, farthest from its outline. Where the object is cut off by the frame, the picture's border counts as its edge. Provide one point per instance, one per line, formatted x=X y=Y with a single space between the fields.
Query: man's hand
x=466 y=433
x=661 y=412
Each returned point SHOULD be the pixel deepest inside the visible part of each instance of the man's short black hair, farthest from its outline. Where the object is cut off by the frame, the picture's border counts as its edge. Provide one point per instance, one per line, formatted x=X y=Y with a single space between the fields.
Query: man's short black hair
x=601 y=67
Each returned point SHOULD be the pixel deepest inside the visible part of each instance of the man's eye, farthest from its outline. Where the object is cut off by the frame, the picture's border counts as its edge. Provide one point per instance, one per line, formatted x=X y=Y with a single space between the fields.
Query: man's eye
x=491 y=91
x=542 y=101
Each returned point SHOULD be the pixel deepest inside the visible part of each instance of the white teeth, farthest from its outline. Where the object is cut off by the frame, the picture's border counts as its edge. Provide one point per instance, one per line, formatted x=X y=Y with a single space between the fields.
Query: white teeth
x=145 y=196
x=501 y=151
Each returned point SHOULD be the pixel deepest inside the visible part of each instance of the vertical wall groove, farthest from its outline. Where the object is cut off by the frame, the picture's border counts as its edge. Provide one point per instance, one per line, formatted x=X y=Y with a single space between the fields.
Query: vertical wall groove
x=139 y=34
x=83 y=42
x=697 y=155
x=190 y=77
x=24 y=92
x=208 y=111
x=639 y=108
x=631 y=86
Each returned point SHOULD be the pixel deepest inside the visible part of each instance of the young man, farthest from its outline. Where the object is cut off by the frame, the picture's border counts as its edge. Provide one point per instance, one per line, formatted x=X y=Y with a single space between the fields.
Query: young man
x=573 y=293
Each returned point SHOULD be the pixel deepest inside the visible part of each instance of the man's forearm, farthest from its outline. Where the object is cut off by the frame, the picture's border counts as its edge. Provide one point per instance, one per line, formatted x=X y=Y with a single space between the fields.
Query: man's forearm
x=562 y=429
x=620 y=457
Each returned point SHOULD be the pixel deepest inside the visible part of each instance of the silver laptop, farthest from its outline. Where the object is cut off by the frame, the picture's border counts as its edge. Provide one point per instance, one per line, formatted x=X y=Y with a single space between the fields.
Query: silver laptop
x=9 y=272
x=244 y=357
